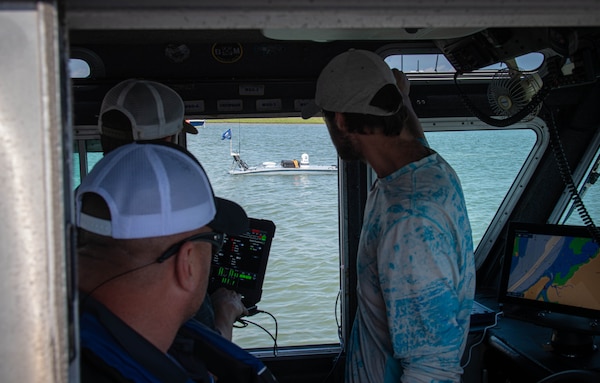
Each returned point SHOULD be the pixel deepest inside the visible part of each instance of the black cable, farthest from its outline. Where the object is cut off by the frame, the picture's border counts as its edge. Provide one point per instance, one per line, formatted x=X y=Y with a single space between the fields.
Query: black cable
x=337 y=320
x=103 y=283
x=340 y=337
x=245 y=323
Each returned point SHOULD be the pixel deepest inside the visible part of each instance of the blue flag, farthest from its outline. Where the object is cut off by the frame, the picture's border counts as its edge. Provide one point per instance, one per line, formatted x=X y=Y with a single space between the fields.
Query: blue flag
x=226 y=135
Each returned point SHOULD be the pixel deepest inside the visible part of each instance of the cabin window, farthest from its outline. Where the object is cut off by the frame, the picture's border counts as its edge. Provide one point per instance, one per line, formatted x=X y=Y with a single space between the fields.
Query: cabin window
x=492 y=164
x=79 y=68
x=487 y=162
x=85 y=64
x=437 y=63
x=302 y=280
x=421 y=63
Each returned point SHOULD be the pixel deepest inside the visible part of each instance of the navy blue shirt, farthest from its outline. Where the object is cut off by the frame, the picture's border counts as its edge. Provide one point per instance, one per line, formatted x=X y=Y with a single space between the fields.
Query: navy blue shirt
x=111 y=351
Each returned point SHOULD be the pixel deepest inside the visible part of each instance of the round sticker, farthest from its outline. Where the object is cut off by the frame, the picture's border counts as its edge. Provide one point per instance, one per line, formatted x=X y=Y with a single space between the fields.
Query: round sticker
x=227 y=53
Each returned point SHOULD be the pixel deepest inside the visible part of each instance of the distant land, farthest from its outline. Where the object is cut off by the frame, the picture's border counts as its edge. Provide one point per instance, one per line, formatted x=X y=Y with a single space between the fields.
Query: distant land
x=270 y=120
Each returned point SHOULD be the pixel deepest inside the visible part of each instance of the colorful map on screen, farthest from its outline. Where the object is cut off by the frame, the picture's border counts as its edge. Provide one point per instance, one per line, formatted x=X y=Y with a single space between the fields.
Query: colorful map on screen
x=556 y=269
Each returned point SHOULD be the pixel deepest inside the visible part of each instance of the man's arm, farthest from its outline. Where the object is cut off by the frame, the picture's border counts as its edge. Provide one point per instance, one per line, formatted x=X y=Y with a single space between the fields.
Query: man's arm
x=421 y=302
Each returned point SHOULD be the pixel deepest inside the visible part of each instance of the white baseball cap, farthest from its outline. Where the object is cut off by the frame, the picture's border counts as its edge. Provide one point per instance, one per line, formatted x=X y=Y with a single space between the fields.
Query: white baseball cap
x=154 y=190
x=154 y=110
x=349 y=82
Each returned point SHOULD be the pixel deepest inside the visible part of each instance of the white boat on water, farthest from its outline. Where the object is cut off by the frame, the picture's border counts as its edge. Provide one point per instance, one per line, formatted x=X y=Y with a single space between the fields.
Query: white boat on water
x=303 y=166
x=289 y=167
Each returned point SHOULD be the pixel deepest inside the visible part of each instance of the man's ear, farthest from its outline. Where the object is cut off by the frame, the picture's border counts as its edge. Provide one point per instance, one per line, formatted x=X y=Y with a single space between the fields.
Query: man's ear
x=185 y=268
x=340 y=121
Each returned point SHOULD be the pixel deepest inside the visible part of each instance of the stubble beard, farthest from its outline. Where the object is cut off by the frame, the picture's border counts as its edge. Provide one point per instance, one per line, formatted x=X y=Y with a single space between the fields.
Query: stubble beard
x=343 y=143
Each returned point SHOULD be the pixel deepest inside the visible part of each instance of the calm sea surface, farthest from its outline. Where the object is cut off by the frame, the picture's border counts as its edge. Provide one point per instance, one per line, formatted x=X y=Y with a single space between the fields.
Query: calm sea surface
x=302 y=278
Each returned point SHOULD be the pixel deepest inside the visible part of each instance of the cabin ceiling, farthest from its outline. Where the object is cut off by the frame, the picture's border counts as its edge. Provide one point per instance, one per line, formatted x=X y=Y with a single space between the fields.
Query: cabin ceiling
x=470 y=33
x=208 y=50
x=326 y=14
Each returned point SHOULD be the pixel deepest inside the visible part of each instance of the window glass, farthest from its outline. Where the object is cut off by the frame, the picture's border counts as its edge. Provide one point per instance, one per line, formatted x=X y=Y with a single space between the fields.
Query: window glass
x=93 y=152
x=76 y=172
x=302 y=279
x=487 y=163
x=78 y=68
x=437 y=63
x=430 y=63
x=92 y=158
x=528 y=62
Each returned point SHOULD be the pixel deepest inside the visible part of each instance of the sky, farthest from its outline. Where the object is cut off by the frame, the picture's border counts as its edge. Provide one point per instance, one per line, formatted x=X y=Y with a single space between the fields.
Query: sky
x=438 y=63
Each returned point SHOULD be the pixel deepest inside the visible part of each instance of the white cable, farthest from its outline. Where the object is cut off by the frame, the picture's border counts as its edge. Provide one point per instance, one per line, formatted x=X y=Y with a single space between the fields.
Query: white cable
x=482 y=338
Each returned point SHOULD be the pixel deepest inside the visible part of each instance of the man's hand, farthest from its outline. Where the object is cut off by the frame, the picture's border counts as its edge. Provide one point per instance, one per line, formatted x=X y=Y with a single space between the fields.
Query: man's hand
x=412 y=121
x=228 y=307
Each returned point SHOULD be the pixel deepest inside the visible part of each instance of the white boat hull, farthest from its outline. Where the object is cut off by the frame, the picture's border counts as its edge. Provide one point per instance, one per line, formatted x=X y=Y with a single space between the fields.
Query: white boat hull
x=279 y=170
x=285 y=167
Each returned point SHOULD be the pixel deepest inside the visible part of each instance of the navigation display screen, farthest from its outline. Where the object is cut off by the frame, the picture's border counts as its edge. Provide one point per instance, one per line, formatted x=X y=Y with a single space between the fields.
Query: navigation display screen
x=555 y=268
x=241 y=264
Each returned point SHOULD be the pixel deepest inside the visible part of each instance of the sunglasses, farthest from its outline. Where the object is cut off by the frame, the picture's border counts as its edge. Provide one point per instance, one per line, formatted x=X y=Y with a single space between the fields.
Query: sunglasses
x=216 y=239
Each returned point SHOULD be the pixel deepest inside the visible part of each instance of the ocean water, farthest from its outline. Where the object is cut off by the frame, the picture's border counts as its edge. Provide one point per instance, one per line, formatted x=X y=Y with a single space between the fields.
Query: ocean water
x=302 y=279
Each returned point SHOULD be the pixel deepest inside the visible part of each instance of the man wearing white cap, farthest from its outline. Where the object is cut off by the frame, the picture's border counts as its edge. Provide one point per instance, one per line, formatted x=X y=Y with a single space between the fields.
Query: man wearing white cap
x=144 y=110
x=149 y=225
x=415 y=266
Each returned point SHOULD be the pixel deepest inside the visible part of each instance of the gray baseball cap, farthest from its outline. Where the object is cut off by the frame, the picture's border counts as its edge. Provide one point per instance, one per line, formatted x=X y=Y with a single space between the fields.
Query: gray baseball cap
x=349 y=82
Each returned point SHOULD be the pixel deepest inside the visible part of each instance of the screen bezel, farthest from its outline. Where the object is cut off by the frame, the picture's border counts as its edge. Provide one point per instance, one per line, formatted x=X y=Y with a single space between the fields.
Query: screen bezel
x=513 y=302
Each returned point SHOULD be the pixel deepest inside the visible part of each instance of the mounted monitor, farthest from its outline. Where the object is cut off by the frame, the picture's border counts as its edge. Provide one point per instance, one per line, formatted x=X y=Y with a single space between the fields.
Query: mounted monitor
x=242 y=262
x=551 y=277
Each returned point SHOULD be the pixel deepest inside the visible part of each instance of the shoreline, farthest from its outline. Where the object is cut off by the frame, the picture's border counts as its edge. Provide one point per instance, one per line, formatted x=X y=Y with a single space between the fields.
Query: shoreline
x=266 y=120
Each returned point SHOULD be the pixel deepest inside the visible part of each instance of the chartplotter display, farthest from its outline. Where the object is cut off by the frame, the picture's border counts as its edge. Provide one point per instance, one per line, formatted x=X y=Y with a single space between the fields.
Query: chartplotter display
x=552 y=269
x=242 y=262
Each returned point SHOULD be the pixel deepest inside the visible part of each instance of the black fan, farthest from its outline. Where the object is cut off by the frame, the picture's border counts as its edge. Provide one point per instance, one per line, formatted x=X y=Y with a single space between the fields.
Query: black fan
x=512 y=90
x=513 y=95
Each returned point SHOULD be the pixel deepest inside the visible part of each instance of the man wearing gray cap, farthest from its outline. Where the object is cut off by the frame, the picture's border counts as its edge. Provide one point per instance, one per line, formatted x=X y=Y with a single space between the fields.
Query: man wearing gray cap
x=415 y=266
x=144 y=110
x=149 y=225
x=141 y=110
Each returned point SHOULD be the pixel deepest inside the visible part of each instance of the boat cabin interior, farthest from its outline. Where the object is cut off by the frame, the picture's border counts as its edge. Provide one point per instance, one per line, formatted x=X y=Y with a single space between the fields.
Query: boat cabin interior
x=507 y=92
